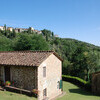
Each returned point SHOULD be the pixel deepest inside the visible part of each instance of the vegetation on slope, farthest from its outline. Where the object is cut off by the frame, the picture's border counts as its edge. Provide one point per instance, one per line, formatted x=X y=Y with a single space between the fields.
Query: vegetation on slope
x=79 y=58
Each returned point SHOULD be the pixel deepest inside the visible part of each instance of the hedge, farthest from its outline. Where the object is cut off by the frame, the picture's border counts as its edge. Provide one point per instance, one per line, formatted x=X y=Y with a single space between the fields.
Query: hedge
x=77 y=81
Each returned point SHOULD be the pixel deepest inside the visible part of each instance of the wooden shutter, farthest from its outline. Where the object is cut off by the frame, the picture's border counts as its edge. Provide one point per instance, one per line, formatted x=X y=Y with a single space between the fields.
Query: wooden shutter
x=60 y=84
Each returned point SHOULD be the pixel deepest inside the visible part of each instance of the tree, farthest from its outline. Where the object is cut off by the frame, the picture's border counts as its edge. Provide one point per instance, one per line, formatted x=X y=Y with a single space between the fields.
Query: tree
x=30 y=42
x=13 y=34
x=5 y=44
x=52 y=35
x=90 y=65
x=23 y=42
x=78 y=61
x=29 y=30
x=83 y=60
x=5 y=30
x=38 y=43
x=48 y=34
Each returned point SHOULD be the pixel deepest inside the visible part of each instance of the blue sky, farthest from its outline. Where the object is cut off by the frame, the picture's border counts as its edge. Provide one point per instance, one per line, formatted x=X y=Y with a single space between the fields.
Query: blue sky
x=78 y=19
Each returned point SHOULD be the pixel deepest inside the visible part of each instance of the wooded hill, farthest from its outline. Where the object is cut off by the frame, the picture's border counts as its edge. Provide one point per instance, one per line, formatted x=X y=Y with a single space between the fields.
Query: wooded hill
x=79 y=58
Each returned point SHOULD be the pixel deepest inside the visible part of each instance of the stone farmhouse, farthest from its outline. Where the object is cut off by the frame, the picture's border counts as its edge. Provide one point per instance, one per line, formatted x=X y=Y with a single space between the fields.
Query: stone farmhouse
x=96 y=83
x=41 y=70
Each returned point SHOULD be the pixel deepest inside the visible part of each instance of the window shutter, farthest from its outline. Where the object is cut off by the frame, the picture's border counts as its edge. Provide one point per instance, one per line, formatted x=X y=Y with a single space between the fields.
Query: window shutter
x=60 y=84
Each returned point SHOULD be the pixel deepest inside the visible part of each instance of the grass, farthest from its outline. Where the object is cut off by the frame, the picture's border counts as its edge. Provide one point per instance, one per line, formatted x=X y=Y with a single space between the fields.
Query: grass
x=75 y=93
x=72 y=93
x=5 y=95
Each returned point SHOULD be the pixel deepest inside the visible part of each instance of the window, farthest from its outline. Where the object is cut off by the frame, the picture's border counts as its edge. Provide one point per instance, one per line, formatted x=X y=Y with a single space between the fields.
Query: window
x=58 y=85
x=45 y=92
x=44 y=71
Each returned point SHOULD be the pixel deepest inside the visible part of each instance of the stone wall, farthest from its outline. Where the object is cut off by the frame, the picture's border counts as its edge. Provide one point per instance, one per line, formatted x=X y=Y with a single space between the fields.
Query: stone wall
x=23 y=76
x=53 y=75
x=96 y=83
x=2 y=73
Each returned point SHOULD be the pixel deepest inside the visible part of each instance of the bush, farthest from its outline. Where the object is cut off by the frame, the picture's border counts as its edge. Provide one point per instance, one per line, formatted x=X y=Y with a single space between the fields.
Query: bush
x=8 y=83
x=77 y=81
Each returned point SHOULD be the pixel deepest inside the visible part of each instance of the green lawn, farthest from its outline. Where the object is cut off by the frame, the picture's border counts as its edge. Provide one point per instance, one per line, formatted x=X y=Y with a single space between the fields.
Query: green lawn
x=75 y=93
x=5 y=95
x=72 y=93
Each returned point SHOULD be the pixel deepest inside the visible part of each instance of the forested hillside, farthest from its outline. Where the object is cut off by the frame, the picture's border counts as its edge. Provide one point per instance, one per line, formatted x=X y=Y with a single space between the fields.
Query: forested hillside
x=79 y=58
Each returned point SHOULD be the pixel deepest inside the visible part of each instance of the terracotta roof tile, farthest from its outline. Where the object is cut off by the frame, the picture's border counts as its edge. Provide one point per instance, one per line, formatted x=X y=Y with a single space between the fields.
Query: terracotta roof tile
x=24 y=58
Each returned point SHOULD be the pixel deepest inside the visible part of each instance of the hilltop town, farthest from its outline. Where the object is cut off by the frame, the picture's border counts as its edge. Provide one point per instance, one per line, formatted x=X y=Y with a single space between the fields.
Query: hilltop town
x=20 y=30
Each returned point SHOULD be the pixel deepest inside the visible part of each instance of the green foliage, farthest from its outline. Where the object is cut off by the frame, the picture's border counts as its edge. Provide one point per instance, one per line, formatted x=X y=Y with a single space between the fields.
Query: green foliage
x=23 y=42
x=48 y=34
x=83 y=60
x=5 y=44
x=76 y=78
x=56 y=41
x=38 y=43
x=8 y=83
x=30 y=42
x=79 y=58
x=29 y=30
x=78 y=81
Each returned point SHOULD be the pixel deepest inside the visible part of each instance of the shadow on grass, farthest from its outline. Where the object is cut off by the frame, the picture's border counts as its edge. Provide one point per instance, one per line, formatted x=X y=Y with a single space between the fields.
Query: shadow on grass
x=20 y=91
x=81 y=91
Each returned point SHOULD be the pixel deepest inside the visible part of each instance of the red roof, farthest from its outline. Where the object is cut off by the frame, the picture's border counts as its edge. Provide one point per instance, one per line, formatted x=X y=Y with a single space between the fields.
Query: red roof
x=25 y=58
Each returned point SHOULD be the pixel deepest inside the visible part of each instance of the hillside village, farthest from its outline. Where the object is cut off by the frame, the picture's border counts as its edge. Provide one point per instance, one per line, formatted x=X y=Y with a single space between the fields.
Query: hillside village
x=19 y=30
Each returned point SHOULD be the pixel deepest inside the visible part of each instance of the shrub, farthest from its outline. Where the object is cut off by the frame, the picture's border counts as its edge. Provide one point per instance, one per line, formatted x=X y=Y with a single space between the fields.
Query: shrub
x=77 y=81
x=8 y=83
x=35 y=91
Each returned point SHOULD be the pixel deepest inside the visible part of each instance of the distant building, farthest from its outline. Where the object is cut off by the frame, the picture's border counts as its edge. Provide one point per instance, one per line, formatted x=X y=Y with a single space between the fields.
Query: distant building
x=10 y=28
x=24 y=29
x=19 y=30
x=2 y=28
x=56 y=35
x=38 y=32
x=32 y=29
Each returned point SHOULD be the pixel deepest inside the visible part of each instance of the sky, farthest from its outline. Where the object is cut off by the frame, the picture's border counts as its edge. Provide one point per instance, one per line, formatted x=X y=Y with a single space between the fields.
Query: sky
x=77 y=19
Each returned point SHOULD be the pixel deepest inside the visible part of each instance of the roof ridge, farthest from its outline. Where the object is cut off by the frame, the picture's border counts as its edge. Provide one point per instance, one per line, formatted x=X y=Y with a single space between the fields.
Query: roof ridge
x=26 y=51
